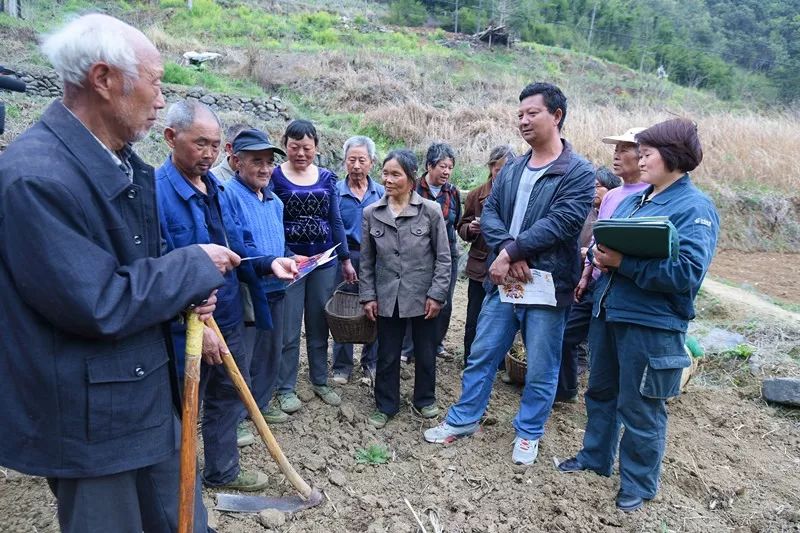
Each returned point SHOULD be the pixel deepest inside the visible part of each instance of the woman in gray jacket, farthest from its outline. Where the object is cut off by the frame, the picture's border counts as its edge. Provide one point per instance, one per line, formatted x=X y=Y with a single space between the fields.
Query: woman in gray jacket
x=405 y=275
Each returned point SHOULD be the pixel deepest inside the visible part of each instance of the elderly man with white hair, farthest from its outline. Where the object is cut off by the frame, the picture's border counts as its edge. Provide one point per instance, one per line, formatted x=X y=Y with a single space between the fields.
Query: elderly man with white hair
x=356 y=191
x=87 y=392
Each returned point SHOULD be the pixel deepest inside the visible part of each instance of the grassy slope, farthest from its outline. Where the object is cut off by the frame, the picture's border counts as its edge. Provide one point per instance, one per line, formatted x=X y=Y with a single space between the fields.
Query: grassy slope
x=409 y=87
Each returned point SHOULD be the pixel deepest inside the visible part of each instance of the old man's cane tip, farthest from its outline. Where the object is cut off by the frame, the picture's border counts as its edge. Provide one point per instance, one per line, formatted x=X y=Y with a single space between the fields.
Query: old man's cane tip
x=313 y=495
x=188 y=460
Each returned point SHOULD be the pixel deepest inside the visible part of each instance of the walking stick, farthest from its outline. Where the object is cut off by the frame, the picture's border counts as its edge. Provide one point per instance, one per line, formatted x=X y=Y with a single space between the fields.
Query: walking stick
x=188 y=457
x=274 y=448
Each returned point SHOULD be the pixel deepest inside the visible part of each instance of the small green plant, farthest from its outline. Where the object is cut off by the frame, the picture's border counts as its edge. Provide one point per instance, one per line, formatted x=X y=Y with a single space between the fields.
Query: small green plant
x=374 y=454
x=740 y=351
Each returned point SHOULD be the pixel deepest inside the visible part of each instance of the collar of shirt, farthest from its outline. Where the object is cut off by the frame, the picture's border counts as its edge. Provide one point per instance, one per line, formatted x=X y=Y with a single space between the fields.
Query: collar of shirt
x=344 y=188
x=123 y=162
x=266 y=194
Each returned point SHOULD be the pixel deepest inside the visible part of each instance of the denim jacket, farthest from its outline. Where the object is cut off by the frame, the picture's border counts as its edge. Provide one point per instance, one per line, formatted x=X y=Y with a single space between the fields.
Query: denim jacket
x=660 y=292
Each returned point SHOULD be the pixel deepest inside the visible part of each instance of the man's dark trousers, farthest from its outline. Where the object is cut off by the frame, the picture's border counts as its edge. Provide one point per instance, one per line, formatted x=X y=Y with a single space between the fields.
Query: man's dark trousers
x=105 y=503
x=575 y=332
x=222 y=412
x=266 y=346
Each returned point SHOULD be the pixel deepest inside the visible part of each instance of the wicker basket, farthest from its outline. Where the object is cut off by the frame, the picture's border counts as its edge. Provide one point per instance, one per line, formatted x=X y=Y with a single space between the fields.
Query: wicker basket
x=516 y=368
x=346 y=318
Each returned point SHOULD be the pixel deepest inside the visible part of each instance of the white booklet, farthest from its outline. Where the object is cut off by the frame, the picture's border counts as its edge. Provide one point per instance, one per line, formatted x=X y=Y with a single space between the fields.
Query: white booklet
x=539 y=291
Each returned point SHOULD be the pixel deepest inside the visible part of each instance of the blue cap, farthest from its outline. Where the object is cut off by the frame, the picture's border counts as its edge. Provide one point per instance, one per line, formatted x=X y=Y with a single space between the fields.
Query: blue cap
x=254 y=140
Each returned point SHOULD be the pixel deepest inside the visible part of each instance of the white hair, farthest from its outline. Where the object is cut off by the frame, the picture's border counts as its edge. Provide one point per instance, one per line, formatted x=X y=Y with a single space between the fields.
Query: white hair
x=73 y=49
x=360 y=140
x=182 y=114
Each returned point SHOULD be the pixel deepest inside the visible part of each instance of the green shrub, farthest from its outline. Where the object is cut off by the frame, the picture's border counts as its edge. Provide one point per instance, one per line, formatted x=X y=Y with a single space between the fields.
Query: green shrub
x=172 y=3
x=174 y=73
x=327 y=36
x=407 y=13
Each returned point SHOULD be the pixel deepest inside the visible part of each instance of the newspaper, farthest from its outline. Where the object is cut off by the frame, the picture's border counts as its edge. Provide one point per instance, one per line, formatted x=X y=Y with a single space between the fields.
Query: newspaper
x=539 y=291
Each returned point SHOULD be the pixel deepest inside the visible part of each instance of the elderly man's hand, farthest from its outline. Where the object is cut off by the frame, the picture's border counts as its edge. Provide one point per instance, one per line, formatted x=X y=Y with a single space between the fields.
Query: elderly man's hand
x=212 y=347
x=205 y=310
x=223 y=258
x=284 y=268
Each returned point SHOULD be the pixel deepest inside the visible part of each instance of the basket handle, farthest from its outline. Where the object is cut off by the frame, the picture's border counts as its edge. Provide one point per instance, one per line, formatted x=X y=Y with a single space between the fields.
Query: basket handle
x=347 y=284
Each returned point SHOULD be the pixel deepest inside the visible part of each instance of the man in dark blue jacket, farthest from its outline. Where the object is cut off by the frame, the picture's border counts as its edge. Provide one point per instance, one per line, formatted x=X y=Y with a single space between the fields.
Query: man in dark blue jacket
x=531 y=220
x=87 y=385
x=193 y=210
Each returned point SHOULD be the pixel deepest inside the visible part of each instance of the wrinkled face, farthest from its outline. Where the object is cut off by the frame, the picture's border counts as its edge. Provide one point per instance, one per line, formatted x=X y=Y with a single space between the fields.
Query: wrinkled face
x=496 y=167
x=196 y=148
x=357 y=162
x=536 y=124
x=599 y=192
x=395 y=180
x=439 y=173
x=626 y=161
x=255 y=167
x=652 y=167
x=136 y=106
x=301 y=153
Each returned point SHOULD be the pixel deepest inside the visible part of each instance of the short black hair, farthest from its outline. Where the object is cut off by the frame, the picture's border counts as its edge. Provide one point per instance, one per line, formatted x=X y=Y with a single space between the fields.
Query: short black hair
x=554 y=99
x=607 y=179
x=677 y=142
x=438 y=152
x=298 y=129
x=407 y=161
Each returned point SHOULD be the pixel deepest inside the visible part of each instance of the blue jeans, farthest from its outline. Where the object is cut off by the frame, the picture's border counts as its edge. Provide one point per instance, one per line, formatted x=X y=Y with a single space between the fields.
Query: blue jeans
x=633 y=370
x=498 y=323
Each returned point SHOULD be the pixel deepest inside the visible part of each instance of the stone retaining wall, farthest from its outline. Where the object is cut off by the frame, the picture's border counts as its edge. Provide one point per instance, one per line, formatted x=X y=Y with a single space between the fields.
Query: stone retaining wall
x=46 y=83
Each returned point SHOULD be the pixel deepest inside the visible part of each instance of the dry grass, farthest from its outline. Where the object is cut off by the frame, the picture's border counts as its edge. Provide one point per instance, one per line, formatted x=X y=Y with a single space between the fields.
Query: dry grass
x=416 y=99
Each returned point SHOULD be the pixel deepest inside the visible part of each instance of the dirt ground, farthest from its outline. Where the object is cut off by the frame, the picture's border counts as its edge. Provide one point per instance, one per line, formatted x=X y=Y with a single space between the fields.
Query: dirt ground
x=732 y=462
x=773 y=274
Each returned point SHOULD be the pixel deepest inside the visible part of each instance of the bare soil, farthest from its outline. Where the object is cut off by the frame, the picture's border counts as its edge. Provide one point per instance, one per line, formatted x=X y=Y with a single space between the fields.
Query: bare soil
x=774 y=274
x=732 y=464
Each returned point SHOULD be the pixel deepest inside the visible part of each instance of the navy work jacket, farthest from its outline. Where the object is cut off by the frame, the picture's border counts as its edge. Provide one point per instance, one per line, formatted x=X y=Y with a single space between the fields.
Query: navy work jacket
x=660 y=293
x=86 y=387
x=183 y=223
x=548 y=238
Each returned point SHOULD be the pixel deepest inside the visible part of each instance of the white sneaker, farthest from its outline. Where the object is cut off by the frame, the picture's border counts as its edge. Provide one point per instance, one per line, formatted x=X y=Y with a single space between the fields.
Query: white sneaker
x=525 y=451
x=444 y=433
x=340 y=379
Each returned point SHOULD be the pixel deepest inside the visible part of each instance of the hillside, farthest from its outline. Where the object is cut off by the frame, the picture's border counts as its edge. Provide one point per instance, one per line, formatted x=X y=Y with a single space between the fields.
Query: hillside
x=347 y=70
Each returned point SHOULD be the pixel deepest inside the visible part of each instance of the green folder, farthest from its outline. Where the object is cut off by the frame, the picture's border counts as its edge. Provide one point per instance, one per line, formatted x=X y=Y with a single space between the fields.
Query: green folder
x=647 y=237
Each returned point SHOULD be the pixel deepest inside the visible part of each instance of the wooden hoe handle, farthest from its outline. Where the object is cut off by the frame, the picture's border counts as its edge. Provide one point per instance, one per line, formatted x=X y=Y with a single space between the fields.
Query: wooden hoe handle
x=188 y=455
x=258 y=419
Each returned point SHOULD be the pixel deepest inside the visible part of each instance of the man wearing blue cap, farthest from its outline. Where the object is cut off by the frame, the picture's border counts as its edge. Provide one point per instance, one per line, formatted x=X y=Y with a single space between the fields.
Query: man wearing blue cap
x=253 y=155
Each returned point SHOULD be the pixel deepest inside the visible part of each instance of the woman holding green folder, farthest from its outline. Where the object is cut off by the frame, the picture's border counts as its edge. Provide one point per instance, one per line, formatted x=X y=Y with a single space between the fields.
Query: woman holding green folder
x=641 y=313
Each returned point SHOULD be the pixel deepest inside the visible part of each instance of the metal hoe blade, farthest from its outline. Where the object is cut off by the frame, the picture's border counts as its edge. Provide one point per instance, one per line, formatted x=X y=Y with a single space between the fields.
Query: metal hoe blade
x=238 y=503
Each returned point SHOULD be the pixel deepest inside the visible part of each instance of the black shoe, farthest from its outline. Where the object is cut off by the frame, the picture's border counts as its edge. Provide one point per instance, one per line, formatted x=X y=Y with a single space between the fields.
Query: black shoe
x=628 y=502
x=566 y=399
x=571 y=465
